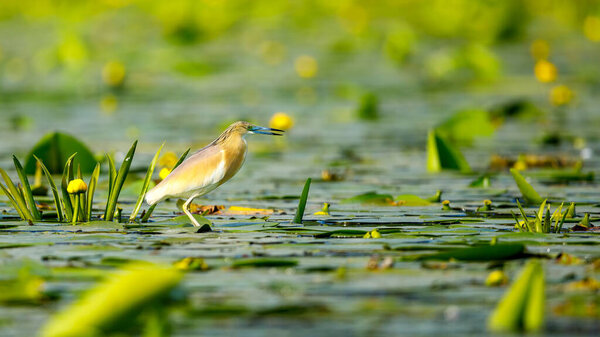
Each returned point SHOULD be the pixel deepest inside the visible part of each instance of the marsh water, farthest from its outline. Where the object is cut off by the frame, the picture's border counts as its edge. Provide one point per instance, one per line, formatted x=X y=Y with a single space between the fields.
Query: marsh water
x=330 y=291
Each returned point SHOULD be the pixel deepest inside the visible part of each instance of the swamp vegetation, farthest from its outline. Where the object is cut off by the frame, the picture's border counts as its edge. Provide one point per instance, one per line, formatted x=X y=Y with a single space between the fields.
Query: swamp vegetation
x=438 y=173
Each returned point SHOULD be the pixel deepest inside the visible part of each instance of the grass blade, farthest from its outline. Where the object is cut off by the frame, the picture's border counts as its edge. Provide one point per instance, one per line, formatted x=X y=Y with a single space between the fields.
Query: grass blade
x=16 y=194
x=112 y=174
x=12 y=201
x=111 y=205
x=302 y=203
x=90 y=192
x=147 y=180
x=27 y=190
x=529 y=228
x=66 y=178
x=57 y=203
x=147 y=215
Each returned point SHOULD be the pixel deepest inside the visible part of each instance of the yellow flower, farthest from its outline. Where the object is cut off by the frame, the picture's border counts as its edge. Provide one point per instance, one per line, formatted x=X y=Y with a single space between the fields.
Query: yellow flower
x=76 y=186
x=281 y=121
x=545 y=71
x=306 y=66
x=374 y=234
x=164 y=173
x=168 y=160
x=561 y=95
x=591 y=28
x=496 y=278
x=540 y=49
x=324 y=210
x=113 y=73
x=109 y=104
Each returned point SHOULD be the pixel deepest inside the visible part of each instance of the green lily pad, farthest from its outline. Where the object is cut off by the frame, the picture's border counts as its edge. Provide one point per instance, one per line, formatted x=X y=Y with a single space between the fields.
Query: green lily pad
x=370 y=198
x=483 y=253
x=55 y=148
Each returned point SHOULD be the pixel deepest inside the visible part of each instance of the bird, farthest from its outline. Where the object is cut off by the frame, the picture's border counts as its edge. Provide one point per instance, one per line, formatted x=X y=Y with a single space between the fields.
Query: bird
x=209 y=167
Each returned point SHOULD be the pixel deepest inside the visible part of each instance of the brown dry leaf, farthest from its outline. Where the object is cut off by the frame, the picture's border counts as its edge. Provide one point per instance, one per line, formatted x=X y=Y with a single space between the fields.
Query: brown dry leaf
x=206 y=209
x=587 y=284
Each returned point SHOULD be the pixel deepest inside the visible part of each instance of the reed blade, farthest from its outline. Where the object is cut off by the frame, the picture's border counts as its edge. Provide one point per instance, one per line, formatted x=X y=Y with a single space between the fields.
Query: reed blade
x=90 y=192
x=111 y=205
x=302 y=202
x=66 y=178
x=16 y=194
x=28 y=195
x=57 y=202
x=147 y=179
x=12 y=201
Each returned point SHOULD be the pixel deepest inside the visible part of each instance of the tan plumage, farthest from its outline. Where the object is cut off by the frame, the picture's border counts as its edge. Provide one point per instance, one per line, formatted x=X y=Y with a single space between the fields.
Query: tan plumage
x=209 y=167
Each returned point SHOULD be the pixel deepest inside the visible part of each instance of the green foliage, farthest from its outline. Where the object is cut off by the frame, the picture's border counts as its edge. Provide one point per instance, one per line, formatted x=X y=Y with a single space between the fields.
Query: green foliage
x=15 y=197
x=465 y=125
x=529 y=193
x=442 y=155
x=55 y=148
x=145 y=186
x=117 y=185
x=496 y=252
x=370 y=198
x=57 y=201
x=116 y=303
x=542 y=220
x=302 y=203
x=522 y=307
x=369 y=107
x=263 y=263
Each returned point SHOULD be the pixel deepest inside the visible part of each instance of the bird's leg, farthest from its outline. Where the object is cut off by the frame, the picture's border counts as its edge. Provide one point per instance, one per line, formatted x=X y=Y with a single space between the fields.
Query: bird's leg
x=186 y=209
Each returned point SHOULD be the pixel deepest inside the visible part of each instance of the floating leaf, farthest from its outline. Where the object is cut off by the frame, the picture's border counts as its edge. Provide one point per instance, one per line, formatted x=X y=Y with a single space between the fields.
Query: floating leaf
x=114 y=304
x=528 y=192
x=370 y=198
x=263 y=263
x=522 y=306
x=411 y=200
x=55 y=148
x=184 y=220
x=484 y=253
x=441 y=155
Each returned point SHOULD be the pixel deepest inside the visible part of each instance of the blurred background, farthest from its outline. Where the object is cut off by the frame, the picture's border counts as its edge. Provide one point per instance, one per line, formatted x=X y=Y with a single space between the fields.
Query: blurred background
x=349 y=73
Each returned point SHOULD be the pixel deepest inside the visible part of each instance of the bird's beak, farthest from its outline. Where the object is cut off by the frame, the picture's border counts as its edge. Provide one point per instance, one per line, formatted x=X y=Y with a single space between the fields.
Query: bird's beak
x=265 y=131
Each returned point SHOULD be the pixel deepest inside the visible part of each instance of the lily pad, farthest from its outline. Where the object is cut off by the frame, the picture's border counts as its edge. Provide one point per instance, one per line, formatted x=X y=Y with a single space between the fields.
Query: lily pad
x=55 y=148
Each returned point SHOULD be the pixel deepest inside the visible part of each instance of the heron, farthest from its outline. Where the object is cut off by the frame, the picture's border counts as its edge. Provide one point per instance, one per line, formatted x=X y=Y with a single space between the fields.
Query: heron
x=209 y=167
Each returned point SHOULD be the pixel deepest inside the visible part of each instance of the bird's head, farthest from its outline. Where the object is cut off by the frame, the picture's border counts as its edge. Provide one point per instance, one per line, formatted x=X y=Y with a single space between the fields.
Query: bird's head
x=241 y=128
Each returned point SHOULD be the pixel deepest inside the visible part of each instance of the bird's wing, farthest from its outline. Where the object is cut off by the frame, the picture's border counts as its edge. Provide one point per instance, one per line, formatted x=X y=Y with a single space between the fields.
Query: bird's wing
x=201 y=172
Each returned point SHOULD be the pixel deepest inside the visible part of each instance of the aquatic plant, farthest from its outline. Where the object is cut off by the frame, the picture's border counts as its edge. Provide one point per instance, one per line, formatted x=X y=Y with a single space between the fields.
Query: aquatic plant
x=522 y=307
x=542 y=220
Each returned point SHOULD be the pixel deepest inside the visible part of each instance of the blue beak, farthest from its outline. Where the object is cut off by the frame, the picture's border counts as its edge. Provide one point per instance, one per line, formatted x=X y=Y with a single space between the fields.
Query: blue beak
x=265 y=131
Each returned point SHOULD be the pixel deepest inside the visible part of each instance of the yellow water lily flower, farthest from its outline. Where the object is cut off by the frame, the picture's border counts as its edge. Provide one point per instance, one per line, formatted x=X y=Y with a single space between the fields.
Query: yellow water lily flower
x=591 y=28
x=545 y=71
x=374 y=234
x=164 y=173
x=496 y=278
x=561 y=95
x=282 y=121
x=113 y=73
x=77 y=186
x=324 y=210
x=306 y=66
